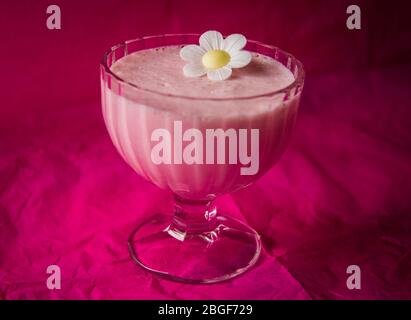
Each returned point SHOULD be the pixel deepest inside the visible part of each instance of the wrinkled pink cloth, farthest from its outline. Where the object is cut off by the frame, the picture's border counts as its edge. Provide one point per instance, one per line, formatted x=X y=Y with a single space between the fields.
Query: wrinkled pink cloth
x=339 y=196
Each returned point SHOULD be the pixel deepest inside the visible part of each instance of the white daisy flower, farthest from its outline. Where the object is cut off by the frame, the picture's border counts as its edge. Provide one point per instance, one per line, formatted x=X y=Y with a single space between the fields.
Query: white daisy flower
x=215 y=56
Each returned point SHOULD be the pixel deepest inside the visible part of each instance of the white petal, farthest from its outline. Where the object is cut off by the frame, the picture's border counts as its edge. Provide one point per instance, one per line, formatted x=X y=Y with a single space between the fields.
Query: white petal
x=211 y=40
x=234 y=42
x=219 y=74
x=192 y=53
x=194 y=70
x=240 y=59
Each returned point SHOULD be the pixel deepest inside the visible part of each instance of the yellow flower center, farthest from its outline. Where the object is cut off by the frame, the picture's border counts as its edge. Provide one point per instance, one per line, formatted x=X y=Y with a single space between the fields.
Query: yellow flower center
x=215 y=59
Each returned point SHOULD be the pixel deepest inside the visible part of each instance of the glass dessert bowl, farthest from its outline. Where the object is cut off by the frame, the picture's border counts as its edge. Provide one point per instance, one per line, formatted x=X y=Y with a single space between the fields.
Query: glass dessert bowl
x=198 y=139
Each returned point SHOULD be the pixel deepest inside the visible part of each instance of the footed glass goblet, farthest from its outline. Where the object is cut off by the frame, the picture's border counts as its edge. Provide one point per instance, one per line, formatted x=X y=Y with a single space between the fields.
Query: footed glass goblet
x=195 y=242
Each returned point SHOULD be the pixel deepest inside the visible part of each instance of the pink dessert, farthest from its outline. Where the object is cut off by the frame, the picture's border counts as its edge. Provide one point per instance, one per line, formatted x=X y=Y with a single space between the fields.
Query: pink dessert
x=161 y=97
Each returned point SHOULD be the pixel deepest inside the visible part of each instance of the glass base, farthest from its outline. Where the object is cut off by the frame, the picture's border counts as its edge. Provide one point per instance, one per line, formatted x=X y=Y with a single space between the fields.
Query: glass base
x=227 y=249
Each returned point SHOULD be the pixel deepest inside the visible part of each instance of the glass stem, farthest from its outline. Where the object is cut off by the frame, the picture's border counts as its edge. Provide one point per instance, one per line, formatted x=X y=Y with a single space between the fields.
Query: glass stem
x=193 y=218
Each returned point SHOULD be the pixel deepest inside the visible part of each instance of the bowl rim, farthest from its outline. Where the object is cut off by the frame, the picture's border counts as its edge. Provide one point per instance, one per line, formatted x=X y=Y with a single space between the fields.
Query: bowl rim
x=297 y=83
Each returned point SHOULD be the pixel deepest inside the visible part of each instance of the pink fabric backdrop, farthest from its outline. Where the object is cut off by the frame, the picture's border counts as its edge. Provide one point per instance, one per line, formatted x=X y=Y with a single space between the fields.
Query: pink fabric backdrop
x=339 y=196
